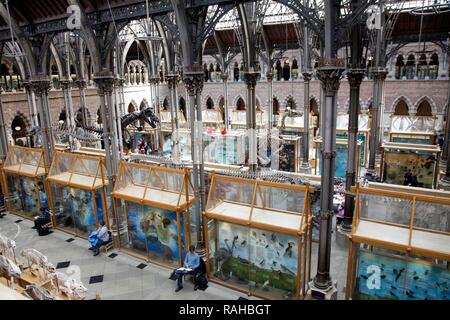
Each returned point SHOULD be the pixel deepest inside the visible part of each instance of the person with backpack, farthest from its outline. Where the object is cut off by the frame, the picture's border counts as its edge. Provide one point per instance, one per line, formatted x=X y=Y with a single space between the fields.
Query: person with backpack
x=99 y=238
x=41 y=220
x=191 y=266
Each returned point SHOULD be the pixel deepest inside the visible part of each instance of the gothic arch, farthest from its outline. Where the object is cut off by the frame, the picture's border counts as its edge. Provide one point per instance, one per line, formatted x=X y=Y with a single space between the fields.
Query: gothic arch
x=144 y=104
x=19 y=125
x=208 y=99
x=235 y=101
x=397 y=100
x=433 y=106
x=132 y=106
x=289 y=99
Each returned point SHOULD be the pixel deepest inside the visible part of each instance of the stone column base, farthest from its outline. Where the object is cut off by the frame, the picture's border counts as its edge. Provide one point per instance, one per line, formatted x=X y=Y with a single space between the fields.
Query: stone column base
x=314 y=293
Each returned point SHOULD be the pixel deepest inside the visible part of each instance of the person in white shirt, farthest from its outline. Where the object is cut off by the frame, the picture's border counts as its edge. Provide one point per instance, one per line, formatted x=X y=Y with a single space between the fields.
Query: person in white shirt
x=102 y=236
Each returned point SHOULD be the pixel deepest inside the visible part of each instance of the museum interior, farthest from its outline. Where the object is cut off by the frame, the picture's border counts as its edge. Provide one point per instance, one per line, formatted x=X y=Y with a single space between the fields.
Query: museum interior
x=300 y=149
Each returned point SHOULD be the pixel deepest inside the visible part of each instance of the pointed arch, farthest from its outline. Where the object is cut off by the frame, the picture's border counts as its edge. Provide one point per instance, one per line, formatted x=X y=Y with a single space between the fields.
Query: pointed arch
x=405 y=99
x=424 y=102
x=290 y=102
x=132 y=106
x=239 y=103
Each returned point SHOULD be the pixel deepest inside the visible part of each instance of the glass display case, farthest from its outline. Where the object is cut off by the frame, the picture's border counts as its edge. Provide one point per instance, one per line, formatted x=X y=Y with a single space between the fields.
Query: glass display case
x=341 y=158
x=212 y=118
x=184 y=142
x=153 y=206
x=412 y=129
x=77 y=186
x=144 y=141
x=420 y=162
x=24 y=174
x=363 y=132
x=400 y=245
x=229 y=148
x=239 y=119
x=258 y=236
x=165 y=118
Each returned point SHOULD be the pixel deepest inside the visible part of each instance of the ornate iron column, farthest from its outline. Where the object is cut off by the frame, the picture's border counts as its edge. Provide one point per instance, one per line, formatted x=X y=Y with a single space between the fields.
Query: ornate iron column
x=82 y=91
x=3 y=132
x=41 y=86
x=194 y=85
x=172 y=83
x=250 y=80
x=329 y=73
x=31 y=99
x=305 y=167
x=70 y=118
x=105 y=82
x=225 y=107
x=118 y=82
x=355 y=77
x=269 y=77
x=379 y=75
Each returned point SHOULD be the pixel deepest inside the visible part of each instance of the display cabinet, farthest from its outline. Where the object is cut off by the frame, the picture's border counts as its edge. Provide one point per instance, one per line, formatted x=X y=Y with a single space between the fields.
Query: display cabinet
x=147 y=137
x=412 y=129
x=399 y=246
x=153 y=205
x=341 y=158
x=229 y=148
x=212 y=118
x=77 y=185
x=184 y=142
x=258 y=236
x=24 y=174
x=363 y=132
x=165 y=119
x=239 y=119
x=422 y=161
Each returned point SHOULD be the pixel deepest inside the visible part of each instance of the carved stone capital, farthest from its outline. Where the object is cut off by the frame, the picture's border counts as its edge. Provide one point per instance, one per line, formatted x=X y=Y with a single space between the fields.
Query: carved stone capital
x=307 y=75
x=329 y=73
x=40 y=86
x=65 y=84
x=224 y=76
x=355 y=77
x=251 y=78
x=379 y=73
x=194 y=82
x=105 y=82
x=81 y=84
x=172 y=80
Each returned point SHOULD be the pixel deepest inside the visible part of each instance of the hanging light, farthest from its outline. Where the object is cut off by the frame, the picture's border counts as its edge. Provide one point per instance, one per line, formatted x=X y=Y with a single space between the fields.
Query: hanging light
x=17 y=128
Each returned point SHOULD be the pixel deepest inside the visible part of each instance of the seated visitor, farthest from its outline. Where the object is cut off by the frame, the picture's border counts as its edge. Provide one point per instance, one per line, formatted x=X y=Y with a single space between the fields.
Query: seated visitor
x=408 y=178
x=192 y=262
x=41 y=220
x=99 y=238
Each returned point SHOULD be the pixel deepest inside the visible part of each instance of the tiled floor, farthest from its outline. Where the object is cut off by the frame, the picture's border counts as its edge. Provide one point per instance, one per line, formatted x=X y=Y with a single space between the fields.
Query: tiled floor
x=122 y=276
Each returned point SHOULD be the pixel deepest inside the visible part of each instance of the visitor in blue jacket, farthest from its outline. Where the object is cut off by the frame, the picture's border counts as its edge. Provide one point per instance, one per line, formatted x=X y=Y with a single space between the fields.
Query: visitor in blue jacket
x=191 y=261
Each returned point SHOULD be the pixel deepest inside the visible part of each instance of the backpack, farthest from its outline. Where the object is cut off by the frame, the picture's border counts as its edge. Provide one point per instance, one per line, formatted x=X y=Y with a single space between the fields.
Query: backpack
x=201 y=282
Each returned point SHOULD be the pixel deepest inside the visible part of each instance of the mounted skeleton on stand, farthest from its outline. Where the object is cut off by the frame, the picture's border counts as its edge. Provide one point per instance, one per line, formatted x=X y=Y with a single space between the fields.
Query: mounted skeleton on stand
x=9 y=270
x=38 y=263
x=7 y=247
x=146 y=115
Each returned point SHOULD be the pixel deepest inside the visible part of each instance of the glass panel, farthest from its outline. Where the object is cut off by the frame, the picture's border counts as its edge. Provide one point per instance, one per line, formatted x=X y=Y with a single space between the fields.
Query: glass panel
x=383 y=208
x=82 y=210
x=231 y=258
x=13 y=191
x=412 y=124
x=27 y=201
x=62 y=206
x=270 y=197
x=136 y=240
x=273 y=264
x=432 y=216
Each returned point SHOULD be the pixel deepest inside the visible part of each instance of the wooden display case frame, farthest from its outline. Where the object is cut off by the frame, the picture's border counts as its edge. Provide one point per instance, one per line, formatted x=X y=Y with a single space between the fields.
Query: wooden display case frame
x=36 y=175
x=100 y=171
x=179 y=208
x=404 y=193
x=303 y=234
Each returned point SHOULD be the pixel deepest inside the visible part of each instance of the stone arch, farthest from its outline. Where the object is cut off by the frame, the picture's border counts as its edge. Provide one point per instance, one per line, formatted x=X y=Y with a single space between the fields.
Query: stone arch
x=290 y=100
x=220 y=101
x=132 y=106
x=208 y=102
x=182 y=106
x=144 y=104
x=235 y=101
x=408 y=102
x=429 y=100
x=165 y=104
x=314 y=105
x=19 y=125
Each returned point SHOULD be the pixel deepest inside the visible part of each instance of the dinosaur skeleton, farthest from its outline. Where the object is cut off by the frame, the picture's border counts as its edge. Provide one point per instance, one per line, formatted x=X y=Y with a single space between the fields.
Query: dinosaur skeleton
x=37 y=261
x=74 y=289
x=7 y=247
x=35 y=292
x=81 y=134
x=9 y=270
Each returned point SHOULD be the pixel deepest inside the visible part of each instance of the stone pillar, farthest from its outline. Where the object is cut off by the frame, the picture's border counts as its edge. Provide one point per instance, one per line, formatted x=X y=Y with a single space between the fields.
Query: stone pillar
x=194 y=85
x=225 y=107
x=105 y=82
x=305 y=167
x=250 y=80
x=32 y=109
x=355 y=77
x=68 y=106
x=269 y=77
x=41 y=86
x=329 y=73
x=379 y=75
x=3 y=132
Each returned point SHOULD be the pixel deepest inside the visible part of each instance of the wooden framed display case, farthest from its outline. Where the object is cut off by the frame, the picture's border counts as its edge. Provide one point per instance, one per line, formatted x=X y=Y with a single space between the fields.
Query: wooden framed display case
x=184 y=141
x=421 y=160
x=412 y=129
x=153 y=209
x=399 y=245
x=212 y=118
x=341 y=158
x=24 y=174
x=258 y=237
x=363 y=132
x=290 y=154
x=165 y=118
x=239 y=119
x=77 y=185
x=229 y=148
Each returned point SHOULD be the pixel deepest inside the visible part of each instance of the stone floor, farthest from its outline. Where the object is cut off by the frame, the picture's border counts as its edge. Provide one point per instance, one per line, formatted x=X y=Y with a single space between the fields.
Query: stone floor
x=119 y=276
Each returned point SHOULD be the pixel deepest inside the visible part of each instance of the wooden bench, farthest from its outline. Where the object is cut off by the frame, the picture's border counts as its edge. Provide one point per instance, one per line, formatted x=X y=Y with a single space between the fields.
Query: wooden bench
x=108 y=246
